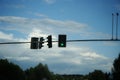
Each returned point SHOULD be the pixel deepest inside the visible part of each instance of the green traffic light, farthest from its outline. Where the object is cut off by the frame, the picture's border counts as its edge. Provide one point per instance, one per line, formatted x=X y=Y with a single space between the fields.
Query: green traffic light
x=62 y=44
x=62 y=41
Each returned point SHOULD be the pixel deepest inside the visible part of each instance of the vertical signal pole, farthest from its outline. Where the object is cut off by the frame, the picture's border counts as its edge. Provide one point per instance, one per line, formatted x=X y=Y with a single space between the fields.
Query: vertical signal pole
x=112 y=24
x=117 y=26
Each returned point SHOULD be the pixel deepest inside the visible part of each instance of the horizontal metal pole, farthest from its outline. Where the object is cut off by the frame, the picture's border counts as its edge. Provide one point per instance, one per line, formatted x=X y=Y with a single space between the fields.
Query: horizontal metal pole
x=14 y=42
x=86 y=40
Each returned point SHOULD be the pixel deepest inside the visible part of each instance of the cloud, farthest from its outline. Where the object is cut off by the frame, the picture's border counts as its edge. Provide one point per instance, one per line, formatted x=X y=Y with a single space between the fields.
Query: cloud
x=92 y=56
x=72 y=59
x=69 y=59
x=47 y=25
x=18 y=58
x=41 y=15
x=50 y=26
x=97 y=35
x=49 y=1
x=12 y=19
x=6 y=36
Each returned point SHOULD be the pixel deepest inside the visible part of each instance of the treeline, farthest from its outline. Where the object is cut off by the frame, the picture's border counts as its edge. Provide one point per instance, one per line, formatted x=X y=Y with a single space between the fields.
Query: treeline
x=10 y=71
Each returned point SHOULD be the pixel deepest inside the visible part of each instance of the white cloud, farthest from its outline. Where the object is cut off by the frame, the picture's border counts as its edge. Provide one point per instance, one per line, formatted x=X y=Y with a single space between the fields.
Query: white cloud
x=64 y=23
x=37 y=33
x=13 y=19
x=44 y=22
x=72 y=55
x=6 y=36
x=47 y=25
x=41 y=15
x=50 y=1
x=93 y=55
x=18 y=58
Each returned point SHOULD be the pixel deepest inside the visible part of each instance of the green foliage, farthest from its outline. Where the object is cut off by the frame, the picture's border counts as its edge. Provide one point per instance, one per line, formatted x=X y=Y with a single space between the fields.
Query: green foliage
x=38 y=73
x=116 y=69
x=97 y=75
x=10 y=71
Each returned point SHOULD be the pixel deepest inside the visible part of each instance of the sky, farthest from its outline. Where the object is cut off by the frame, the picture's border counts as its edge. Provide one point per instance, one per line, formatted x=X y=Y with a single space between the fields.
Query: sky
x=78 y=19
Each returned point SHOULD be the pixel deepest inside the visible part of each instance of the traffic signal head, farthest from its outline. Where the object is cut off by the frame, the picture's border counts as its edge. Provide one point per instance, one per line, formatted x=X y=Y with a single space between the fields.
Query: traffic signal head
x=41 y=42
x=49 y=41
x=62 y=40
x=34 y=43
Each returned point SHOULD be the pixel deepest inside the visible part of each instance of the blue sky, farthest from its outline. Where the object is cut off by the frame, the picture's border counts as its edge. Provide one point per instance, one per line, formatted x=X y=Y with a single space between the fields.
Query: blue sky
x=78 y=19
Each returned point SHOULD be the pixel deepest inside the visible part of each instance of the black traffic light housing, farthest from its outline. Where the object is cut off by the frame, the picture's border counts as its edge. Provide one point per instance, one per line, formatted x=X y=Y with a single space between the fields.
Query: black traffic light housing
x=41 y=42
x=49 y=41
x=62 y=40
x=34 y=43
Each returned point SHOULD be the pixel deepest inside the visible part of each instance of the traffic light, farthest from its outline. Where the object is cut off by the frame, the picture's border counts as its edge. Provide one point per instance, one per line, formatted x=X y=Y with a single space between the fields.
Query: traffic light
x=49 y=41
x=41 y=42
x=62 y=40
x=34 y=43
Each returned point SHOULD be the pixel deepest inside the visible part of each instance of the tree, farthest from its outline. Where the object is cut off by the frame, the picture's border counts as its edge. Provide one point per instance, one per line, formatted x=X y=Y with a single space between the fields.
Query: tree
x=97 y=75
x=39 y=72
x=116 y=69
x=10 y=71
x=107 y=75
